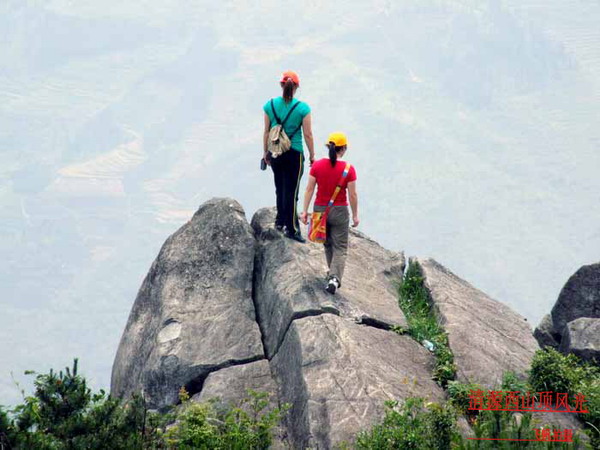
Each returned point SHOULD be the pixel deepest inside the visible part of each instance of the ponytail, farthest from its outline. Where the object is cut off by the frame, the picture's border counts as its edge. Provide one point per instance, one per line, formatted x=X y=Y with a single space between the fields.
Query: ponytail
x=332 y=153
x=288 y=90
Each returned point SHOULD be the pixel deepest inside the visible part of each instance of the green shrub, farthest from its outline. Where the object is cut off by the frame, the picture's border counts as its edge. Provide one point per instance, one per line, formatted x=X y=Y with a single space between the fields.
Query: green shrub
x=414 y=425
x=553 y=371
x=591 y=389
x=459 y=394
x=422 y=323
x=511 y=382
x=206 y=426
x=64 y=414
x=509 y=425
x=498 y=424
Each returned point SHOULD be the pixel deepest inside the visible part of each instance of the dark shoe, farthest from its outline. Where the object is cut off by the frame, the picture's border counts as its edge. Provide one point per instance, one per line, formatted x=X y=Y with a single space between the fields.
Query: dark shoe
x=328 y=277
x=332 y=284
x=295 y=236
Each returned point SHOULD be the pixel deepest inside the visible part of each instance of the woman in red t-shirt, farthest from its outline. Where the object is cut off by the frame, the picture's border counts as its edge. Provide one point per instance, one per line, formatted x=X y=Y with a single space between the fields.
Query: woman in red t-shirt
x=326 y=174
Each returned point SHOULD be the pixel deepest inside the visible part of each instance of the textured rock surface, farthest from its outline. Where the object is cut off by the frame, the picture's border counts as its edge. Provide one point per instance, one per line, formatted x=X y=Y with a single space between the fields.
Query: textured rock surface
x=231 y=384
x=486 y=336
x=582 y=337
x=194 y=312
x=580 y=297
x=545 y=333
x=228 y=307
x=338 y=374
x=290 y=279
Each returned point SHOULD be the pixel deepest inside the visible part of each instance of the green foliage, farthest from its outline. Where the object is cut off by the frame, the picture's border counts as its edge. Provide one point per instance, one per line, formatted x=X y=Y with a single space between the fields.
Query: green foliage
x=423 y=325
x=553 y=371
x=64 y=414
x=509 y=425
x=499 y=424
x=513 y=383
x=204 y=426
x=414 y=425
x=459 y=394
x=433 y=426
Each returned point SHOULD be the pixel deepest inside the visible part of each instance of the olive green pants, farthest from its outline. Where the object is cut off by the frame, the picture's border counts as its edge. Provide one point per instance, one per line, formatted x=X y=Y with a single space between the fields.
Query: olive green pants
x=336 y=245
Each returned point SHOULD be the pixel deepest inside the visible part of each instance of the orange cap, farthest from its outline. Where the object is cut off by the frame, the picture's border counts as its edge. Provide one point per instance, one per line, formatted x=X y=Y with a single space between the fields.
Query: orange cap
x=290 y=74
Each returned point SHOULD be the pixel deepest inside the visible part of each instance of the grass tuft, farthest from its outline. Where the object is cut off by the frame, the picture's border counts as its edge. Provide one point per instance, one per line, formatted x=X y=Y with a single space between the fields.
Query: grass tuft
x=423 y=325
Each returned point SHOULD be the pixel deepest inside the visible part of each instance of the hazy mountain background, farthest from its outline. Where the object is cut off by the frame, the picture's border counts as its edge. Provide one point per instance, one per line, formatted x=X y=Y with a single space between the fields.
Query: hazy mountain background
x=474 y=127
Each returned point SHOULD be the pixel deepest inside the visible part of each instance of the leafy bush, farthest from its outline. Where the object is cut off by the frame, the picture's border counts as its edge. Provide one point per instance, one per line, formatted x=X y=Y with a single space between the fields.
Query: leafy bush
x=204 y=426
x=412 y=426
x=513 y=383
x=64 y=414
x=499 y=424
x=423 y=325
x=509 y=425
x=433 y=426
x=459 y=394
x=553 y=371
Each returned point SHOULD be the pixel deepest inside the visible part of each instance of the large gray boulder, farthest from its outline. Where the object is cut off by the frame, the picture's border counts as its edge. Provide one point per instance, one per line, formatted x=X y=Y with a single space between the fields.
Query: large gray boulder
x=582 y=337
x=217 y=283
x=580 y=297
x=194 y=312
x=545 y=333
x=486 y=336
x=228 y=306
x=290 y=277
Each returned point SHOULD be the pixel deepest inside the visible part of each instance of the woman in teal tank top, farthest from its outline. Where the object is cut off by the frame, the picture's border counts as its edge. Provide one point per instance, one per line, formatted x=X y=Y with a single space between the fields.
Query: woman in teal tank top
x=289 y=166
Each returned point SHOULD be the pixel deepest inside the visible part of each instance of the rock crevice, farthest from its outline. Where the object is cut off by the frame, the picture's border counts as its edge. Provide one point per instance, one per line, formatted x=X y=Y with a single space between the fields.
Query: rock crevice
x=195 y=384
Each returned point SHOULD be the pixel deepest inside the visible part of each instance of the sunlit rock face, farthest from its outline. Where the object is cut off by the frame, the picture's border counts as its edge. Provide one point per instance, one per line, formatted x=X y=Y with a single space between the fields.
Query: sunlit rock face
x=229 y=306
x=194 y=313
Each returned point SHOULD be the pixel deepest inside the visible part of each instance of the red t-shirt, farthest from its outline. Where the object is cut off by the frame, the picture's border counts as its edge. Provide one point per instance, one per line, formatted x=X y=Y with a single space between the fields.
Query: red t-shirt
x=328 y=178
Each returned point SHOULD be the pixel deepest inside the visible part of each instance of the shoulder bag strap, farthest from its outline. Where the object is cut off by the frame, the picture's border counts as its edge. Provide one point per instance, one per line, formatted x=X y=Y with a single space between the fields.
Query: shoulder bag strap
x=274 y=113
x=289 y=112
x=338 y=188
x=291 y=135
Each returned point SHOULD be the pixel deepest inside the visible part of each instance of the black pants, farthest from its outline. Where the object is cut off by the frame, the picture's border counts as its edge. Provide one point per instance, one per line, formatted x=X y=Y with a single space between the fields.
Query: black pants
x=288 y=168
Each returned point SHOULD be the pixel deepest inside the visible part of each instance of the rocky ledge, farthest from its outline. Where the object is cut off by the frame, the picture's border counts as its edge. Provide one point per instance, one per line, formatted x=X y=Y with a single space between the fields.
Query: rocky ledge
x=229 y=305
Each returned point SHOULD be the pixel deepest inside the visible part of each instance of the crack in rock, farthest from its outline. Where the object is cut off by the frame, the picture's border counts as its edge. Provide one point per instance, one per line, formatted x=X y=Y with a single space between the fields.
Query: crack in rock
x=195 y=385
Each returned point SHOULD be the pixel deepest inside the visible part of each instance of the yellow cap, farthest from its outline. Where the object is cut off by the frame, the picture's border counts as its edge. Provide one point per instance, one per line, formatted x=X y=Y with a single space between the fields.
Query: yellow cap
x=338 y=138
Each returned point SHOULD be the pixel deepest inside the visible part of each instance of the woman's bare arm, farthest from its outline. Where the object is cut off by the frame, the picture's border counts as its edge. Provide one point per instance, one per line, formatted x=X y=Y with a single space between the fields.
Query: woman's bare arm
x=353 y=203
x=265 y=138
x=308 y=137
x=310 y=189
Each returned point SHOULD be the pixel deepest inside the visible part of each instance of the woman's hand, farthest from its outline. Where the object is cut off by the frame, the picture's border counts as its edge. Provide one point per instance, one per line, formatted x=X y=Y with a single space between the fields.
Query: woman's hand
x=355 y=221
x=304 y=217
x=267 y=158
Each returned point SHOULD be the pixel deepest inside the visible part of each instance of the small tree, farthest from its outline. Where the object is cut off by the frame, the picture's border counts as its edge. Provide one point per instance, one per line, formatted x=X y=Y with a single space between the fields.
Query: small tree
x=64 y=414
